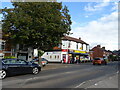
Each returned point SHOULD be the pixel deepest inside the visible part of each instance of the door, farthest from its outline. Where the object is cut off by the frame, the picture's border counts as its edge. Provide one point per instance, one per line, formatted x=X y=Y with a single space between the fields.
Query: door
x=25 y=67
x=12 y=66
x=64 y=58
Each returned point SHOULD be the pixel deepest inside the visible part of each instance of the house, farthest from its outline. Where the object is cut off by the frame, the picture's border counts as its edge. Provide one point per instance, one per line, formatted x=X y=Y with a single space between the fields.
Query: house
x=2 y=43
x=5 y=47
x=99 y=51
x=70 y=50
x=1 y=52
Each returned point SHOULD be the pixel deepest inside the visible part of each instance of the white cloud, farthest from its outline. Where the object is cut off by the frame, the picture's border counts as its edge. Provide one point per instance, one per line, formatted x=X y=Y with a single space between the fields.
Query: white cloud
x=98 y=6
x=103 y=31
x=115 y=6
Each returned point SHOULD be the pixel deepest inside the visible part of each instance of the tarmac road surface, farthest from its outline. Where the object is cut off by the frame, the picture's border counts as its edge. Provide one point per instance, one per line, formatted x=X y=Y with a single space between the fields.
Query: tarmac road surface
x=83 y=75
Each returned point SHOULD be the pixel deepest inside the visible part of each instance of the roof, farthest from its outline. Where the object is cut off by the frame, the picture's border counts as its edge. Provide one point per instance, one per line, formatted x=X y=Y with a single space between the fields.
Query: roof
x=74 y=39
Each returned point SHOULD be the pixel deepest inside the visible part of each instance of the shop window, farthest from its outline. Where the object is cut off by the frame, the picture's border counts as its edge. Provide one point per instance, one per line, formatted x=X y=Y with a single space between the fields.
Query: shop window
x=64 y=55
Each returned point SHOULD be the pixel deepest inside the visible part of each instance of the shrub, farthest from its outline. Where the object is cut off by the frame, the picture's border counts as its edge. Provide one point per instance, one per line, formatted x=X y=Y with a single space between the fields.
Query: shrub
x=6 y=57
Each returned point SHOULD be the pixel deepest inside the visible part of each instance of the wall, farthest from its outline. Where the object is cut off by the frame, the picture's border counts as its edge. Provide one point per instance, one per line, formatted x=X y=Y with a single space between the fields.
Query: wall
x=73 y=45
x=53 y=56
x=65 y=44
x=97 y=52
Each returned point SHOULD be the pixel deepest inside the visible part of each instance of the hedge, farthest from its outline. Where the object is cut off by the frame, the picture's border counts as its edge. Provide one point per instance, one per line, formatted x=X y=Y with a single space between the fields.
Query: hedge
x=6 y=57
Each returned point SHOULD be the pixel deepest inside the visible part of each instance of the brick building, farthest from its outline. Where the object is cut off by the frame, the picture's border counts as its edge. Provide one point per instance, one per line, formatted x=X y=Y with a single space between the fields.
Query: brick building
x=99 y=51
x=5 y=47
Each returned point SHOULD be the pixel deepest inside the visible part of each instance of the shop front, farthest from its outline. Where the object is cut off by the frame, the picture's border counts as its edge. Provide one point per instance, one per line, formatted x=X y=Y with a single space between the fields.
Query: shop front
x=74 y=56
x=65 y=56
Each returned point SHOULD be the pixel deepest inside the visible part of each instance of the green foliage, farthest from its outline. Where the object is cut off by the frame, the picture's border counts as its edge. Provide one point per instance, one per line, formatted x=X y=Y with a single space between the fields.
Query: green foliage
x=40 y=53
x=113 y=57
x=36 y=24
x=6 y=57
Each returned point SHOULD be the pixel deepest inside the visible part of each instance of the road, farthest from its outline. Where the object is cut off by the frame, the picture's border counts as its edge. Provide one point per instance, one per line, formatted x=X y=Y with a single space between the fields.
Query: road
x=71 y=76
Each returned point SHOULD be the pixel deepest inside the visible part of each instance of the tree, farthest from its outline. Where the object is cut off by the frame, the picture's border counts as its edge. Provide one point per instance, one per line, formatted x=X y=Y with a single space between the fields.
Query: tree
x=36 y=24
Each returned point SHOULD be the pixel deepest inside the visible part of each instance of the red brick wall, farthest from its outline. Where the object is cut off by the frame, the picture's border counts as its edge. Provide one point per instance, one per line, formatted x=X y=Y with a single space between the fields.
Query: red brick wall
x=7 y=47
x=91 y=55
x=7 y=54
x=97 y=52
x=1 y=51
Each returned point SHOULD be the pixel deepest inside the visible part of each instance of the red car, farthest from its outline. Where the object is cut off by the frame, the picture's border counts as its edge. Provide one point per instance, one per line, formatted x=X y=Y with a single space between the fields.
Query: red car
x=99 y=61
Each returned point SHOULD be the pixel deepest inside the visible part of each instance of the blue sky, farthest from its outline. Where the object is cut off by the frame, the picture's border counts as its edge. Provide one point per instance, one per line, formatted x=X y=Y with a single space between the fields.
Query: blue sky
x=95 y=22
x=80 y=15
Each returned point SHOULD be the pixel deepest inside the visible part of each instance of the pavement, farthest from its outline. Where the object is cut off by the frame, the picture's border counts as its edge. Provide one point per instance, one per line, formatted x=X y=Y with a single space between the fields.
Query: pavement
x=110 y=82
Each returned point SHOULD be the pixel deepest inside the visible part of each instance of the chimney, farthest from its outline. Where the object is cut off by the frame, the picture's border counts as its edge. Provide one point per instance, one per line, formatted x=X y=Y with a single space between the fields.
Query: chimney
x=103 y=48
x=98 y=46
x=80 y=38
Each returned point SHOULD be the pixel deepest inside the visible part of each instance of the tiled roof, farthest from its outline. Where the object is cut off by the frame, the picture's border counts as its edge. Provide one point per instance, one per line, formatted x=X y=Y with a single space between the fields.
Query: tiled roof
x=74 y=39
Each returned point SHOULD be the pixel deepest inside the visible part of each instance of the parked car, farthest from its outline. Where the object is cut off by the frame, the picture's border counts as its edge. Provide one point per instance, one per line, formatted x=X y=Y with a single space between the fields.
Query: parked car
x=43 y=61
x=17 y=66
x=35 y=61
x=99 y=61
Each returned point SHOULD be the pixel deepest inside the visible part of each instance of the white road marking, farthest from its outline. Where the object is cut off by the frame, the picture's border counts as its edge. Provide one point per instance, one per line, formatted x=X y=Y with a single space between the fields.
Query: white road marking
x=80 y=85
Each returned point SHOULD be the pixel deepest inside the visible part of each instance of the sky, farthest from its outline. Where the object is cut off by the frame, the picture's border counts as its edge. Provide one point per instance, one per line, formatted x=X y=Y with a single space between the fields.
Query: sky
x=94 y=22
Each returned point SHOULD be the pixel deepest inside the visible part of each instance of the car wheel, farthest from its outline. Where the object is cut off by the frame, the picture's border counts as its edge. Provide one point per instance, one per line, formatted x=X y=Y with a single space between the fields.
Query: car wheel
x=3 y=74
x=43 y=65
x=35 y=70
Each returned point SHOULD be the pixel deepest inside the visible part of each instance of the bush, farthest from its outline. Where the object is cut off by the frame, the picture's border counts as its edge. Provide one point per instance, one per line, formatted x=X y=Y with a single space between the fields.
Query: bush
x=6 y=57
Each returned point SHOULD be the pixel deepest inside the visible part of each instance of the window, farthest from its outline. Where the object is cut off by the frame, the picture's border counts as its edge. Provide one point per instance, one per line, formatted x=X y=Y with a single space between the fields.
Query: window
x=9 y=61
x=58 y=57
x=77 y=46
x=64 y=44
x=19 y=61
x=60 y=45
x=2 y=45
x=6 y=62
x=69 y=44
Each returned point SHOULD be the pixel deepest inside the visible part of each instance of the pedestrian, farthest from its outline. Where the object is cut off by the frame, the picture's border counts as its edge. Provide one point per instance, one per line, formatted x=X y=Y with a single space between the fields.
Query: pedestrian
x=77 y=60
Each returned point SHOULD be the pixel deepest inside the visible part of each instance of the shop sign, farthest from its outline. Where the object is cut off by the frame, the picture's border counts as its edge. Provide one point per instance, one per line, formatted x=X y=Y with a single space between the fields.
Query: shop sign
x=76 y=51
x=64 y=50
